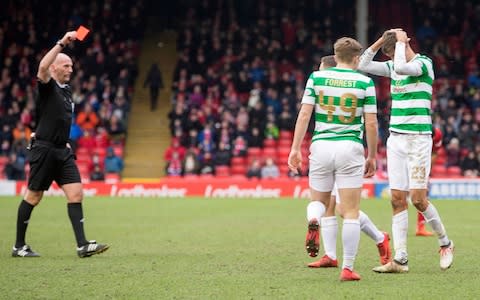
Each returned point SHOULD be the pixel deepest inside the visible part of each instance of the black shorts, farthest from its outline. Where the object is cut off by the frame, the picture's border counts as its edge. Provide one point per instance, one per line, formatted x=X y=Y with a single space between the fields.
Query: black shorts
x=51 y=163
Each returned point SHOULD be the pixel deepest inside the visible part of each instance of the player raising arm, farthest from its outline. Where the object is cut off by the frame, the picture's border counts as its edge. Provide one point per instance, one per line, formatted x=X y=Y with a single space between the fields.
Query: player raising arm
x=409 y=146
x=345 y=103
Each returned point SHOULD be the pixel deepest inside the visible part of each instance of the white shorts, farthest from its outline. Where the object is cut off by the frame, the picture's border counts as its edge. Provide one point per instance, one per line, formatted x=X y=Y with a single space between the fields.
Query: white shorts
x=340 y=162
x=409 y=157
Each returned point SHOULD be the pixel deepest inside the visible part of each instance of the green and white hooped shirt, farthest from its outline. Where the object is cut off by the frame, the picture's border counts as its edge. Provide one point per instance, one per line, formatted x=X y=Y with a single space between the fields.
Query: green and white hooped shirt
x=411 y=98
x=341 y=97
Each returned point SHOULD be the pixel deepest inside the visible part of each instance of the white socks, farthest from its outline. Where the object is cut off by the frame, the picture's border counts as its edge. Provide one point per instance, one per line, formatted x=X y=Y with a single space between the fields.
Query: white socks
x=315 y=210
x=399 y=234
x=329 y=228
x=367 y=226
x=433 y=218
x=351 y=239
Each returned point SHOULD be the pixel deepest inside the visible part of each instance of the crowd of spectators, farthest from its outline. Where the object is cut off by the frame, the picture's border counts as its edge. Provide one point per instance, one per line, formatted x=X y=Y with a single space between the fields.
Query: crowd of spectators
x=242 y=69
x=104 y=72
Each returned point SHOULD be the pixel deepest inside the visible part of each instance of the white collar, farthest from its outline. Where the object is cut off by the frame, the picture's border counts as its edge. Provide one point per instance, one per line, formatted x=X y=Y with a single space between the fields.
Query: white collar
x=62 y=86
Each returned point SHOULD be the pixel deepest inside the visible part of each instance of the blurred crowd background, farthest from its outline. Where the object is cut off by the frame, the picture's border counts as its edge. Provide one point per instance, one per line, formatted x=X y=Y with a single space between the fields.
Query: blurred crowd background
x=239 y=76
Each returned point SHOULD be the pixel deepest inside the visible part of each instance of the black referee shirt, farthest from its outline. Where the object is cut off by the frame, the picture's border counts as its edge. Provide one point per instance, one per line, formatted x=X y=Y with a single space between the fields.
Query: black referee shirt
x=54 y=112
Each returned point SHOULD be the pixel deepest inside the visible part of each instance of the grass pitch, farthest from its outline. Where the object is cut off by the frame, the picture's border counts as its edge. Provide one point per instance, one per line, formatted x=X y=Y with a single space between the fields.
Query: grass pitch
x=220 y=249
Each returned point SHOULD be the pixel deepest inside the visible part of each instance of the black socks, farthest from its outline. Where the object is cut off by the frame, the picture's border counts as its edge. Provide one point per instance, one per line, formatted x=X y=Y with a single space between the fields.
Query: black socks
x=75 y=213
x=24 y=212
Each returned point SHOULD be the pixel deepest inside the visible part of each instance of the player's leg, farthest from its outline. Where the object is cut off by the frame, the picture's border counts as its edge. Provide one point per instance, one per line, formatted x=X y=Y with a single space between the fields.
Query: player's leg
x=420 y=171
x=315 y=210
x=398 y=179
x=321 y=184
x=421 y=229
x=419 y=199
x=381 y=239
x=349 y=169
x=69 y=180
x=350 y=198
x=329 y=228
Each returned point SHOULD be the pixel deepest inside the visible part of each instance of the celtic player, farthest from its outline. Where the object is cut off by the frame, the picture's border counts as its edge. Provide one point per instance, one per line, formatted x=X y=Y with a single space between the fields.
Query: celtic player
x=345 y=105
x=409 y=146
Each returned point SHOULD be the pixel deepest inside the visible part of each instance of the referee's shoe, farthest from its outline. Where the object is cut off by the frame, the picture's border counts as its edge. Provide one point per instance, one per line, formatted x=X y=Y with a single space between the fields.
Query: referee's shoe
x=24 y=251
x=91 y=248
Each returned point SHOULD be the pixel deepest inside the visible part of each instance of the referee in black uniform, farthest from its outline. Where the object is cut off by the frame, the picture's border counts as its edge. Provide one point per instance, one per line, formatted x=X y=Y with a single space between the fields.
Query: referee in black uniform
x=50 y=155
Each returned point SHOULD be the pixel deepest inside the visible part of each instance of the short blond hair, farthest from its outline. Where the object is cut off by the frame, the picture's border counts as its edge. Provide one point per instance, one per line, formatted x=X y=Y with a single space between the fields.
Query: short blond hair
x=389 y=41
x=346 y=49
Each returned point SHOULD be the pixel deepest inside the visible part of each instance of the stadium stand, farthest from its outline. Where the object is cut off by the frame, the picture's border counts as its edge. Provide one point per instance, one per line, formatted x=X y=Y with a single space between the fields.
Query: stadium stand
x=240 y=71
x=104 y=72
x=232 y=62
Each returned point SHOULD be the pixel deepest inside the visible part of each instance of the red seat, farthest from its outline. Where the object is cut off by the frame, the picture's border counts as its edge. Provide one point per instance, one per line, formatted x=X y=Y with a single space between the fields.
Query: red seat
x=285 y=143
x=84 y=158
x=238 y=169
x=454 y=171
x=238 y=160
x=269 y=152
x=271 y=143
x=83 y=168
x=285 y=134
x=439 y=171
x=101 y=151
x=222 y=171
x=254 y=152
x=283 y=169
x=82 y=151
x=440 y=160
x=3 y=160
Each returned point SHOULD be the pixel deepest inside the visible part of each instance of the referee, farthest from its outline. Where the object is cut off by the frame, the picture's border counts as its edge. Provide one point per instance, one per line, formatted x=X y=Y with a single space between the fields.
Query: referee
x=50 y=155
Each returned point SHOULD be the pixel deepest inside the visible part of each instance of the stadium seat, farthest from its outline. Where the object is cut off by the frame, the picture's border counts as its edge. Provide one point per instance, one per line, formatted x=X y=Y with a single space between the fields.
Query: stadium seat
x=238 y=169
x=83 y=158
x=454 y=171
x=222 y=171
x=285 y=143
x=283 y=169
x=254 y=152
x=285 y=135
x=82 y=151
x=439 y=171
x=238 y=160
x=83 y=168
x=440 y=160
x=269 y=153
x=271 y=143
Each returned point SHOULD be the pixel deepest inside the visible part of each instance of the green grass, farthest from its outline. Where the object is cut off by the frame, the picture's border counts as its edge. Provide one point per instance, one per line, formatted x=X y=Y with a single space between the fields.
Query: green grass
x=220 y=249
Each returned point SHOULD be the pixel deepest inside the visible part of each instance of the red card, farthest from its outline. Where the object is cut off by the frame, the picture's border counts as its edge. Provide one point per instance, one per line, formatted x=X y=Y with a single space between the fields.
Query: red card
x=82 y=33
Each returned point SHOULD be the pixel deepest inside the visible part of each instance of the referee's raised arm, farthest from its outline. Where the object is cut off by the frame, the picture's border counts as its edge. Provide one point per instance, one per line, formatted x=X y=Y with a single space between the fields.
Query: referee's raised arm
x=43 y=73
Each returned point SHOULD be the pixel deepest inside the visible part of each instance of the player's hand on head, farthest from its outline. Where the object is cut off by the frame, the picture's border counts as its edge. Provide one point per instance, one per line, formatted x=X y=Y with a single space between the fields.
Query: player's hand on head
x=295 y=161
x=370 y=167
x=401 y=36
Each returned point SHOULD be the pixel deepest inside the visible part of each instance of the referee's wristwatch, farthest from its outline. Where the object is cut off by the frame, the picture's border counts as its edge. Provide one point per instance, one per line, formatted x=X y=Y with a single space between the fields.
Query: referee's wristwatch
x=59 y=42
